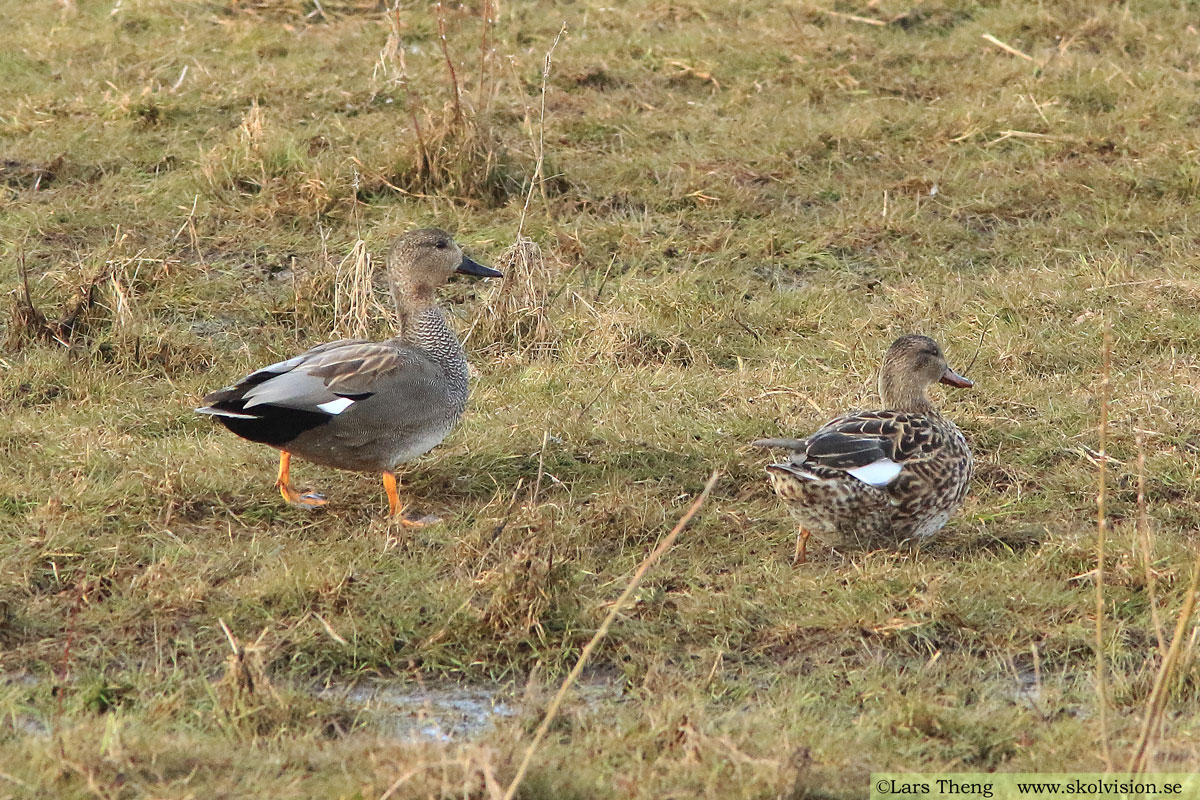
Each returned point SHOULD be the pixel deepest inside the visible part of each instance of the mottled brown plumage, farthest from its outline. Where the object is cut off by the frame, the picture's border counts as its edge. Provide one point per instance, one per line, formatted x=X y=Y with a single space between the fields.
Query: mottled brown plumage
x=880 y=477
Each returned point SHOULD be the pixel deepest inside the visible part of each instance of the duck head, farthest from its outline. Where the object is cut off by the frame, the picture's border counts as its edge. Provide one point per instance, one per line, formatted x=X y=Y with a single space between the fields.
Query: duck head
x=910 y=366
x=421 y=261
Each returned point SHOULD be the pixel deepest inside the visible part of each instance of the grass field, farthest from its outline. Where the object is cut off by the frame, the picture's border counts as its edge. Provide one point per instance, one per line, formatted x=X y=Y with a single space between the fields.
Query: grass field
x=738 y=205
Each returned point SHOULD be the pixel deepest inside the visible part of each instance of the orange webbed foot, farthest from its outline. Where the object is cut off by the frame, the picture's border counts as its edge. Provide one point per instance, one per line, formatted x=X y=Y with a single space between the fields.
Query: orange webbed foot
x=309 y=501
x=396 y=507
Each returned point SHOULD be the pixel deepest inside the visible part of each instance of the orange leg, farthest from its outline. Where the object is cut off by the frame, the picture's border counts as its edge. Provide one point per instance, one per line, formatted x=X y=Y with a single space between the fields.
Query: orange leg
x=395 y=507
x=283 y=483
x=801 y=556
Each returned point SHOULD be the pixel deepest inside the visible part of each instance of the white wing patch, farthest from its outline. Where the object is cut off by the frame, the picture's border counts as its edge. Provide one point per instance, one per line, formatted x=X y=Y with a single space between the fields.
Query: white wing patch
x=877 y=473
x=336 y=406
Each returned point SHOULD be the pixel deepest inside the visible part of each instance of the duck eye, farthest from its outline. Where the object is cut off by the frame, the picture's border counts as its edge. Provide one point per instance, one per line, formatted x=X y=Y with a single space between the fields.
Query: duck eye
x=441 y=244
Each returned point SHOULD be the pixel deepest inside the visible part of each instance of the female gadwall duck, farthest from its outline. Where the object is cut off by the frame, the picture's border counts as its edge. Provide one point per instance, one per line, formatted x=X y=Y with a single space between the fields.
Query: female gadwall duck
x=360 y=405
x=880 y=475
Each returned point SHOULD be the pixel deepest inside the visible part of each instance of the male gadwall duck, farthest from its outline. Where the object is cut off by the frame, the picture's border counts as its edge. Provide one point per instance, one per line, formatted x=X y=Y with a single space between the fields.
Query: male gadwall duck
x=880 y=475
x=360 y=405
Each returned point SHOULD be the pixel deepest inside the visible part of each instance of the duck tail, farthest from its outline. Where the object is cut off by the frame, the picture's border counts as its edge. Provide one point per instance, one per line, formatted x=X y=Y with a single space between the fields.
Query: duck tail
x=227 y=402
x=794 y=470
x=797 y=445
x=231 y=401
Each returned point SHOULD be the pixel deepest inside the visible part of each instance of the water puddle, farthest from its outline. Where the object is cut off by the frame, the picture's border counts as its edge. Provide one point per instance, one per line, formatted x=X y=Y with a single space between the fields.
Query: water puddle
x=1048 y=702
x=20 y=721
x=25 y=679
x=443 y=713
x=1028 y=690
x=29 y=725
x=452 y=712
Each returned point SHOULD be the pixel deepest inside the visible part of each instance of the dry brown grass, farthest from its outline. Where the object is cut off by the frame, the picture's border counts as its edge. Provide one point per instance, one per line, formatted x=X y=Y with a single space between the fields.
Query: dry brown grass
x=516 y=316
x=602 y=631
x=744 y=204
x=456 y=149
x=358 y=300
x=28 y=324
x=245 y=696
x=1101 y=537
x=1166 y=678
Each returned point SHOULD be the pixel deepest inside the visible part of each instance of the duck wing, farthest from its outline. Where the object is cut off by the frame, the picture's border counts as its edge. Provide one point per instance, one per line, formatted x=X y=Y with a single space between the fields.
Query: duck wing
x=280 y=401
x=872 y=446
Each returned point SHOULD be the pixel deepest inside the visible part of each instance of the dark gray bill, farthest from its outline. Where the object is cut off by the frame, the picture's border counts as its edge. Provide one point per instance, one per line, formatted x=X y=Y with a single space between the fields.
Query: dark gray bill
x=469 y=267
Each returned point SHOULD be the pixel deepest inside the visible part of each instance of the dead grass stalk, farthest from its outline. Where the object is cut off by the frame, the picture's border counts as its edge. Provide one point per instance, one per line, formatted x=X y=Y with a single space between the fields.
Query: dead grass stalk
x=602 y=631
x=538 y=178
x=459 y=148
x=1101 y=530
x=28 y=324
x=355 y=301
x=245 y=689
x=1156 y=705
x=516 y=316
x=455 y=92
x=1146 y=544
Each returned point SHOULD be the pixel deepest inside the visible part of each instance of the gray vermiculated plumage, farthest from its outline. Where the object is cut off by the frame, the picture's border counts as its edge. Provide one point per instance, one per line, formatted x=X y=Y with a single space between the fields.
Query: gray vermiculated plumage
x=417 y=394
x=361 y=405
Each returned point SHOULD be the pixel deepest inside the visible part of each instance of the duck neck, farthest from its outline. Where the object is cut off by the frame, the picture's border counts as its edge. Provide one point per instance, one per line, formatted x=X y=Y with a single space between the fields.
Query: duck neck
x=904 y=396
x=425 y=328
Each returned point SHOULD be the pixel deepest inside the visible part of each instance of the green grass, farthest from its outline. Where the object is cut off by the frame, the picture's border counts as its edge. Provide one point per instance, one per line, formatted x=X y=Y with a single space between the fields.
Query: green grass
x=745 y=203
